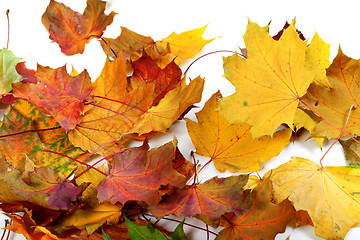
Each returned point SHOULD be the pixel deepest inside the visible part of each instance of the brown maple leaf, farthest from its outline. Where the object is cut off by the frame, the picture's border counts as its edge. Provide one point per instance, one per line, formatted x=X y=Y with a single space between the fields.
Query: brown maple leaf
x=146 y=71
x=211 y=198
x=72 y=30
x=263 y=221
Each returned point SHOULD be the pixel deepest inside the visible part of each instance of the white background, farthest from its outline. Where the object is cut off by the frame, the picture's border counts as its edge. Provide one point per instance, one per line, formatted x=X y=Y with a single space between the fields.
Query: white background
x=336 y=23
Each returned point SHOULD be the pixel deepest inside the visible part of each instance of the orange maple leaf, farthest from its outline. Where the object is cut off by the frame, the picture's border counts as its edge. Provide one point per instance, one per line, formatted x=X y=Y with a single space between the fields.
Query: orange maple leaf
x=72 y=30
x=58 y=93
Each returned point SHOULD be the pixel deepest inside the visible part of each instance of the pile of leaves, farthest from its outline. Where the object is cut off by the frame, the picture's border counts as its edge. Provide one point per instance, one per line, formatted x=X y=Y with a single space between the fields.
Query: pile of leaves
x=57 y=122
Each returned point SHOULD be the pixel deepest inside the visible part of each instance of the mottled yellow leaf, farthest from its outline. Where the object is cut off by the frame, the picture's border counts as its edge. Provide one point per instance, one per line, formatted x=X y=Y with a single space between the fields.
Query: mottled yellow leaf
x=329 y=194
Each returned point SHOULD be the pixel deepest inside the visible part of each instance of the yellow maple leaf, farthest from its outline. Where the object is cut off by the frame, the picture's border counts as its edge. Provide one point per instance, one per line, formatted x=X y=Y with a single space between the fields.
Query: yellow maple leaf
x=269 y=82
x=91 y=218
x=317 y=58
x=175 y=102
x=185 y=45
x=329 y=194
x=231 y=147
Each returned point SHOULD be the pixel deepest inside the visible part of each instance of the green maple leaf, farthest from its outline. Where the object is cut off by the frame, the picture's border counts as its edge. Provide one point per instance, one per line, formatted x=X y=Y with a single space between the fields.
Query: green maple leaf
x=8 y=72
x=147 y=232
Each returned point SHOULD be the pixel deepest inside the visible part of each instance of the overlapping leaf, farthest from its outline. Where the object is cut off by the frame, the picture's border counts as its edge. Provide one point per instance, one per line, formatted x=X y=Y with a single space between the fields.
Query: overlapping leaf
x=121 y=112
x=58 y=93
x=329 y=194
x=129 y=44
x=334 y=104
x=263 y=221
x=25 y=119
x=146 y=71
x=351 y=150
x=185 y=45
x=274 y=70
x=271 y=80
x=137 y=174
x=116 y=110
x=231 y=147
x=147 y=232
x=92 y=217
x=8 y=73
x=211 y=198
x=175 y=47
x=72 y=30
x=44 y=187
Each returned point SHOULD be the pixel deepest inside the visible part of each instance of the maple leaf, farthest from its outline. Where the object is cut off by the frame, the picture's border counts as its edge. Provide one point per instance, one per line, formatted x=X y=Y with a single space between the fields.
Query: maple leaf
x=8 y=72
x=45 y=182
x=231 y=147
x=185 y=45
x=29 y=75
x=328 y=194
x=263 y=221
x=114 y=113
x=54 y=139
x=170 y=108
x=9 y=179
x=137 y=174
x=280 y=33
x=179 y=233
x=16 y=147
x=317 y=59
x=91 y=217
x=43 y=187
x=147 y=232
x=119 y=114
x=211 y=198
x=274 y=70
x=146 y=71
x=334 y=104
x=58 y=93
x=175 y=47
x=72 y=30
x=91 y=177
x=129 y=43
x=26 y=226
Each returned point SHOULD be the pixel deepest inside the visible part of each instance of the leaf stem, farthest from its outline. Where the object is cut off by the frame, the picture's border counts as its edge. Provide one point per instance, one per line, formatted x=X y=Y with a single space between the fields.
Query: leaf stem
x=88 y=157
x=207 y=163
x=29 y=131
x=97 y=36
x=341 y=133
x=195 y=165
x=207 y=232
x=75 y=160
x=132 y=123
x=219 y=51
x=93 y=166
x=223 y=216
x=312 y=109
x=8 y=33
x=4 y=232
x=113 y=100
x=187 y=224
